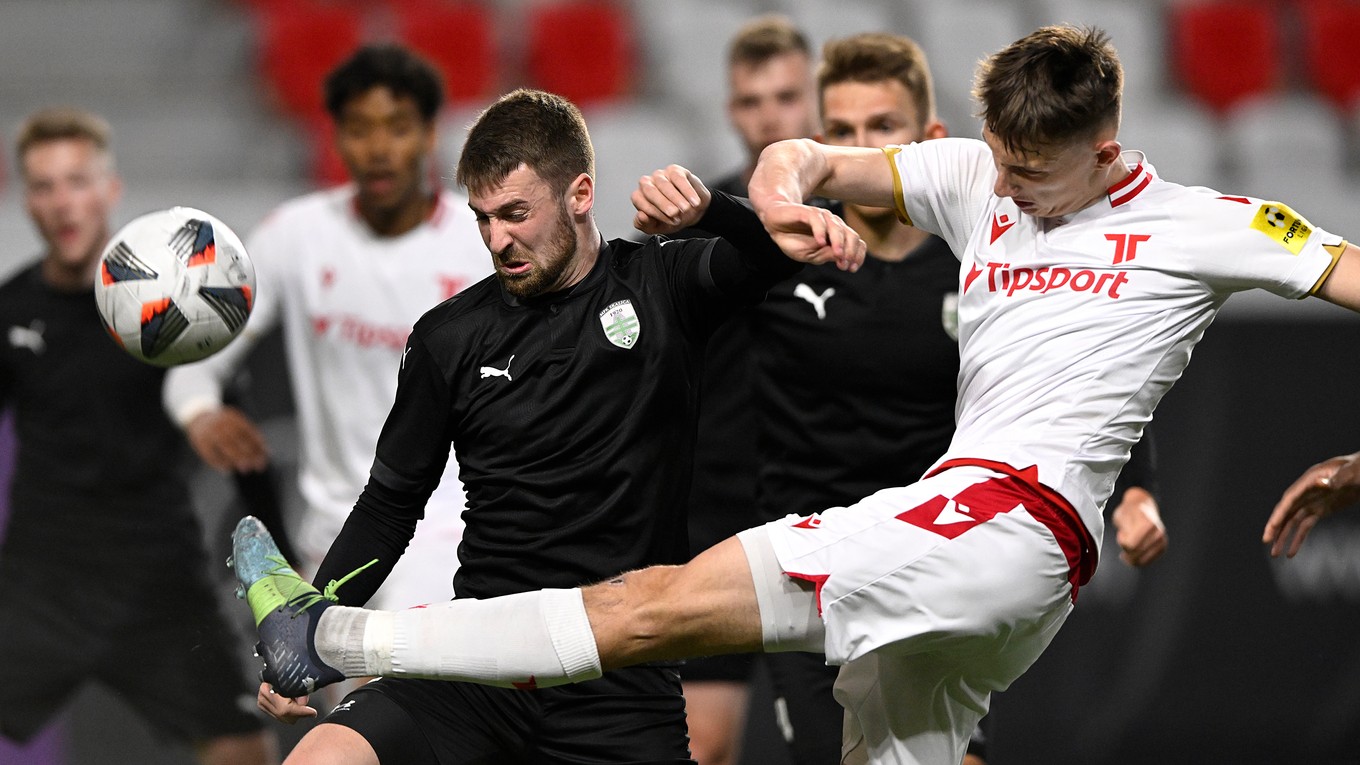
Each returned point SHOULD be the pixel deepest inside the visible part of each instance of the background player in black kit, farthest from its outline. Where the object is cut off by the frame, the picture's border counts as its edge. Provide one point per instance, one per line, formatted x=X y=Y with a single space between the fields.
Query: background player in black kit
x=567 y=385
x=101 y=481
x=769 y=71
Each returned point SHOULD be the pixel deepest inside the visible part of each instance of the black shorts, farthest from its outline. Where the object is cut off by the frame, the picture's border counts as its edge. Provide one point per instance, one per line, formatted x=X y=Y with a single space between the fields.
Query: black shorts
x=731 y=668
x=804 y=706
x=633 y=715
x=150 y=632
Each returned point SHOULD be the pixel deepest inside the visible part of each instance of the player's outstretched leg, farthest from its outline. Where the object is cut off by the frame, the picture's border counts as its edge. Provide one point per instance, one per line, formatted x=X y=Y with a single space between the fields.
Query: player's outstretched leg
x=286 y=608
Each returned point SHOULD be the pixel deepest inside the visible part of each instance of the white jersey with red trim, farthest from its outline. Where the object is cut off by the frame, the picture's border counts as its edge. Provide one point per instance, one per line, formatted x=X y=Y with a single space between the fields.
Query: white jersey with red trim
x=347 y=299
x=1072 y=329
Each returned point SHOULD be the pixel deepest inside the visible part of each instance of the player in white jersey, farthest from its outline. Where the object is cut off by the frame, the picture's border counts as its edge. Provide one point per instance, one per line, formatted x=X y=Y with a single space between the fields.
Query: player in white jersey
x=1085 y=281
x=347 y=272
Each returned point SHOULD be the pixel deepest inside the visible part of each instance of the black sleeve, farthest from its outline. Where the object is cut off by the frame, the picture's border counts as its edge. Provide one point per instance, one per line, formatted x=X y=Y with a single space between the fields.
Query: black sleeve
x=746 y=262
x=379 y=528
x=412 y=450
x=1140 y=471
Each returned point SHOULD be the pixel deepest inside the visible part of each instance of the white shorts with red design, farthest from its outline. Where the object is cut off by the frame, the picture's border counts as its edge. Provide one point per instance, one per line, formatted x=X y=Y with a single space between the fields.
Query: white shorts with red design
x=972 y=561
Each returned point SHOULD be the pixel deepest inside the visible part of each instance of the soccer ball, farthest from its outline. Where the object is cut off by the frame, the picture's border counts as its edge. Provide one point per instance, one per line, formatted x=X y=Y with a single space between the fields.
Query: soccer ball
x=174 y=286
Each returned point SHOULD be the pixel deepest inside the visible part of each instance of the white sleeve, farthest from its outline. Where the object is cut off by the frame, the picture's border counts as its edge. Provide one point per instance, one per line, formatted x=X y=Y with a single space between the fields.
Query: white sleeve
x=1241 y=243
x=192 y=389
x=943 y=186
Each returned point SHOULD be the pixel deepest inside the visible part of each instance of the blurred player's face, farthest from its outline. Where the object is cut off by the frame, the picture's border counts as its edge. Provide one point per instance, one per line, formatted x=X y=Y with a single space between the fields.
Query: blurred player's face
x=1059 y=179
x=771 y=101
x=386 y=146
x=873 y=115
x=531 y=233
x=69 y=190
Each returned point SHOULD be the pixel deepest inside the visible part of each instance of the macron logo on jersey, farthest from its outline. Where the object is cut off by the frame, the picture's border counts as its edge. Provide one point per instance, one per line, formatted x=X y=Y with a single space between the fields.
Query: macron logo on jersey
x=1001 y=223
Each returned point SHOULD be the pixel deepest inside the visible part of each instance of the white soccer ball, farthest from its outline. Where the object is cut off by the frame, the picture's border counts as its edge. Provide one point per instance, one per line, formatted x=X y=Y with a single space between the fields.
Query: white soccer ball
x=174 y=286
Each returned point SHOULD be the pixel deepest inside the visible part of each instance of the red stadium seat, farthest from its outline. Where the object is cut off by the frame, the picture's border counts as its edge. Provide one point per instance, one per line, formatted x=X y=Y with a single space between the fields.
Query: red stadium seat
x=1329 y=30
x=1224 y=52
x=299 y=43
x=458 y=38
x=582 y=50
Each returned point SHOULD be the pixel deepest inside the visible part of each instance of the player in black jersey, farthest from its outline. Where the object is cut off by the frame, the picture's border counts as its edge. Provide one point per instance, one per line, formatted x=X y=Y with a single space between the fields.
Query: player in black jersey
x=99 y=505
x=769 y=66
x=567 y=385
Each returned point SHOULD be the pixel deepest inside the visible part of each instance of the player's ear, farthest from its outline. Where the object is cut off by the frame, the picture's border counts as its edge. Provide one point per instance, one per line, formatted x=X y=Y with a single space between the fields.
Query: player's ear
x=581 y=195
x=1107 y=152
x=934 y=129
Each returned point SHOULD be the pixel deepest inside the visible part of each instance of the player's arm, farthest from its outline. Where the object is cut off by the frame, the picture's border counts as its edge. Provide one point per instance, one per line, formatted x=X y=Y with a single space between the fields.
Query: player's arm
x=790 y=172
x=673 y=198
x=1137 y=518
x=1341 y=285
x=1323 y=489
x=409 y=460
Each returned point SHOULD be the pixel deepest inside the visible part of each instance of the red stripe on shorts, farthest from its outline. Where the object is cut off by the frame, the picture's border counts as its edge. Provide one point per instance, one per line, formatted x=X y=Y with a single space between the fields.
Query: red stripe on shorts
x=1044 y=505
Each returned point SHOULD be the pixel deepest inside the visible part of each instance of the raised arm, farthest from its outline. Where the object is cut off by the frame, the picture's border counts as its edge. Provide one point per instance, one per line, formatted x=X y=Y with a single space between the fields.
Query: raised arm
x=1342 y=285
x=790 y=172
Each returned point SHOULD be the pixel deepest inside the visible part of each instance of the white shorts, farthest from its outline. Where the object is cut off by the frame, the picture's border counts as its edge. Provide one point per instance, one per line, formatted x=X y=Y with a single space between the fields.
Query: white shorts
x=933 y=596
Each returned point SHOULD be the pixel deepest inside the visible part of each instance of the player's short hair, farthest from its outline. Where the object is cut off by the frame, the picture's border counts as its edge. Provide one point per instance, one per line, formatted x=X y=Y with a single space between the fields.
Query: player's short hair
x=388 y=65
x=765 y=37
x=540 y=130
x=876 y=57
x=64 y=124
x=1055 y=85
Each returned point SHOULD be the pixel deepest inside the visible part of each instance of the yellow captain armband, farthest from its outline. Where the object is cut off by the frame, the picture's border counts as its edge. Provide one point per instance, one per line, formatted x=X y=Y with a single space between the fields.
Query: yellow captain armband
x=1335 y=250
x=890 y=153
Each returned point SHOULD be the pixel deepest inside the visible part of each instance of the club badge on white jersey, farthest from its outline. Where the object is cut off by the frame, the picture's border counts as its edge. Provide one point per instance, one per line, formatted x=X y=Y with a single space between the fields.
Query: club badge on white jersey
x=621 y=325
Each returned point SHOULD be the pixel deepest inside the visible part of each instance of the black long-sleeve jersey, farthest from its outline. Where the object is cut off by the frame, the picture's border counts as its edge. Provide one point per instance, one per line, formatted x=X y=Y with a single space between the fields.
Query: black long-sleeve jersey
x=859 y=375
x=99 y=462
x=572 y=416
x=723 y=498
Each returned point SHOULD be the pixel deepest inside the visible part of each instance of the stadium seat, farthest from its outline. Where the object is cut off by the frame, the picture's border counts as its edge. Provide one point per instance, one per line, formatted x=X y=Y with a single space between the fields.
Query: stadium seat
x=1329 y=29
x=456 y=37
x=299 y=43
x=581 y=49
x=1224 y=53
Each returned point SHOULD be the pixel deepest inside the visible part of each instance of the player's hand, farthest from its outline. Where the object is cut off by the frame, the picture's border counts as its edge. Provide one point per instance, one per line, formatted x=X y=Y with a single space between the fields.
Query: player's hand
x=227 y=440
x=282 y=708
x=1322 y=490
x=1139 y=529
x=668 y=200
x=813 y=235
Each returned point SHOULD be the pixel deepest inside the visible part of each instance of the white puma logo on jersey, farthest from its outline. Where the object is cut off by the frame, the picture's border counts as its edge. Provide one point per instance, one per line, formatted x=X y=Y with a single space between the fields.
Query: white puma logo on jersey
x=30 y=337
x=953 y=512
x=818 y=301
x=494 y=372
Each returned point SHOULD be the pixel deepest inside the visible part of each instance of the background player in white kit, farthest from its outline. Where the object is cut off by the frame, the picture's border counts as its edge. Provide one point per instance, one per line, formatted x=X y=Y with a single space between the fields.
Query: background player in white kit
x=1085 y=282
x=347 y=272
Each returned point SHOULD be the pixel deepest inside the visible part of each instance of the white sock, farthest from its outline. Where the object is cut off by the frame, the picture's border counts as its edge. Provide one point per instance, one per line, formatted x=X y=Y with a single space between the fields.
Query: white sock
x=531 y=639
